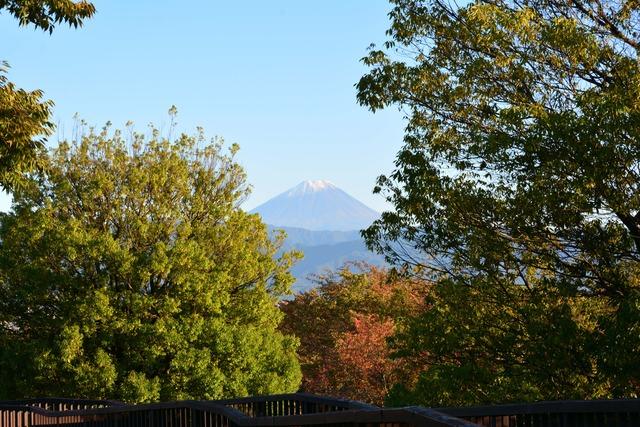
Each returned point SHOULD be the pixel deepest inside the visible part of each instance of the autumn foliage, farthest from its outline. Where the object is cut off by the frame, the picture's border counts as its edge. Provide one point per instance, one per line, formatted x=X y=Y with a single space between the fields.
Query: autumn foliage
x=344 y=325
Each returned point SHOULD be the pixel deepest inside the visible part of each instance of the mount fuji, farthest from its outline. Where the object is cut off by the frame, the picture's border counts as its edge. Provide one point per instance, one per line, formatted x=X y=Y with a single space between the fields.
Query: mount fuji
x=323 y=222
x=317 y=205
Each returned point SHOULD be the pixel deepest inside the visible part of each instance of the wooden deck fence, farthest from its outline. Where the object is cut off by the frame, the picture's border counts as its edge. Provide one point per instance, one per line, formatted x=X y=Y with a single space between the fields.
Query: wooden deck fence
x=270 y=411
x=308 y=410
x=567 y=413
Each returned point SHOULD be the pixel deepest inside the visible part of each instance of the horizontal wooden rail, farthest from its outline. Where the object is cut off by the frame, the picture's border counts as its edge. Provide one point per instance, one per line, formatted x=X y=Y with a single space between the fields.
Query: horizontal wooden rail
x=566 y=413
x=65 y=404
x=291 y=404
x=301 y=409
x=267 y=411
x=307 y=397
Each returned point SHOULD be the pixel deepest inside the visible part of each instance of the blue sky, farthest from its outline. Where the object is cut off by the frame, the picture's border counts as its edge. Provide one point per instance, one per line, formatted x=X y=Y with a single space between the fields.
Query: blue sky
x=275 y=77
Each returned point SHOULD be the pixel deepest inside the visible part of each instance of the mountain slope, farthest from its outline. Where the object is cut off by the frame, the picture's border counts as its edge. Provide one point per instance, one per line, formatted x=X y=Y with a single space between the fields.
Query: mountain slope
x=316 y=205
x=297 y=237
x=320 y=258
x=323 y=222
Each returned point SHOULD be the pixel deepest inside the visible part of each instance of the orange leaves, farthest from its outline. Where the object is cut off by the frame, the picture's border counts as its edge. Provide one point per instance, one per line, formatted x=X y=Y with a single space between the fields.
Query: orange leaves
x=364 y=357
x=344 y=326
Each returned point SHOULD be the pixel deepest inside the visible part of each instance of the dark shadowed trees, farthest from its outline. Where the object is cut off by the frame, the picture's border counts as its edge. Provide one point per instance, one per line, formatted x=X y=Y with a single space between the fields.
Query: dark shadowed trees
x=517 y=192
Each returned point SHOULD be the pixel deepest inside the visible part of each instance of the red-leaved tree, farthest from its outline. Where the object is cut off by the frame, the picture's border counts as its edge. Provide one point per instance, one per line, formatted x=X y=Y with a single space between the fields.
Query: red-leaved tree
x=344 y=325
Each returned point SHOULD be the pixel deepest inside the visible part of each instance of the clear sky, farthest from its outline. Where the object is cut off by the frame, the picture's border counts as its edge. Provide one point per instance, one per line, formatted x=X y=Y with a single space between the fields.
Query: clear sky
x=277 y=77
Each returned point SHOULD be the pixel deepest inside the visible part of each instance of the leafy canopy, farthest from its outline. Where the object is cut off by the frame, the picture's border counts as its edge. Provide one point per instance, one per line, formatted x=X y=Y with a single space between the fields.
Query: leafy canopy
x=45 y=14
x=343 y=326
x=130 y=272
x=24 y=124
x=24 y=115
x=517 y=189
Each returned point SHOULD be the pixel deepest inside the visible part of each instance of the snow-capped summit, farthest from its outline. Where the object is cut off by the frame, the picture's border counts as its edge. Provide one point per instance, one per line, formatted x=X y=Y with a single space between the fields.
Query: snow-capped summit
x=309 y=187
x=316 y=205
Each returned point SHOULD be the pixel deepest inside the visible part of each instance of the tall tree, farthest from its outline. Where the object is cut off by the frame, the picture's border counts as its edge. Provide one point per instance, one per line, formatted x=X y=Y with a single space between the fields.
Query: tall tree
x=130 y=272
x=519 y=177
x=24 y=115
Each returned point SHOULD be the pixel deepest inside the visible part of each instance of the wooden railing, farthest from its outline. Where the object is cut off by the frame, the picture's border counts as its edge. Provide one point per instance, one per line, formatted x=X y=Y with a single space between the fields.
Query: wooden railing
x=62 y=404
x=269 y=411
x=292 y=404
x=569 y=413
x=300 y=409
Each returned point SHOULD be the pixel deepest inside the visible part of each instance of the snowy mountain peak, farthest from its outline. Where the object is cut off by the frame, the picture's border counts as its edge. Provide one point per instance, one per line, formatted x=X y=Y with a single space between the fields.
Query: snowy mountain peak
x=311 y=186
x=316 y=205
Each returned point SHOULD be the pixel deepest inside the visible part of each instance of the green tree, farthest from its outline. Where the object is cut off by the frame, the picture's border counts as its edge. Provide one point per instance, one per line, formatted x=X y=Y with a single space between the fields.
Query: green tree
x=24 y=124
x=517 y=191
x=130 y=272
x=24 y=115
x=46 y=14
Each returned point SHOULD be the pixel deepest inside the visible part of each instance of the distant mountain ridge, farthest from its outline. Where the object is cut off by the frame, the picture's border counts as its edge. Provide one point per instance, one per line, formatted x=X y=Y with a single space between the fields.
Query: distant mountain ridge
x=317 y=205
x=324 y=223
x=303 y=237
x=321 y=258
